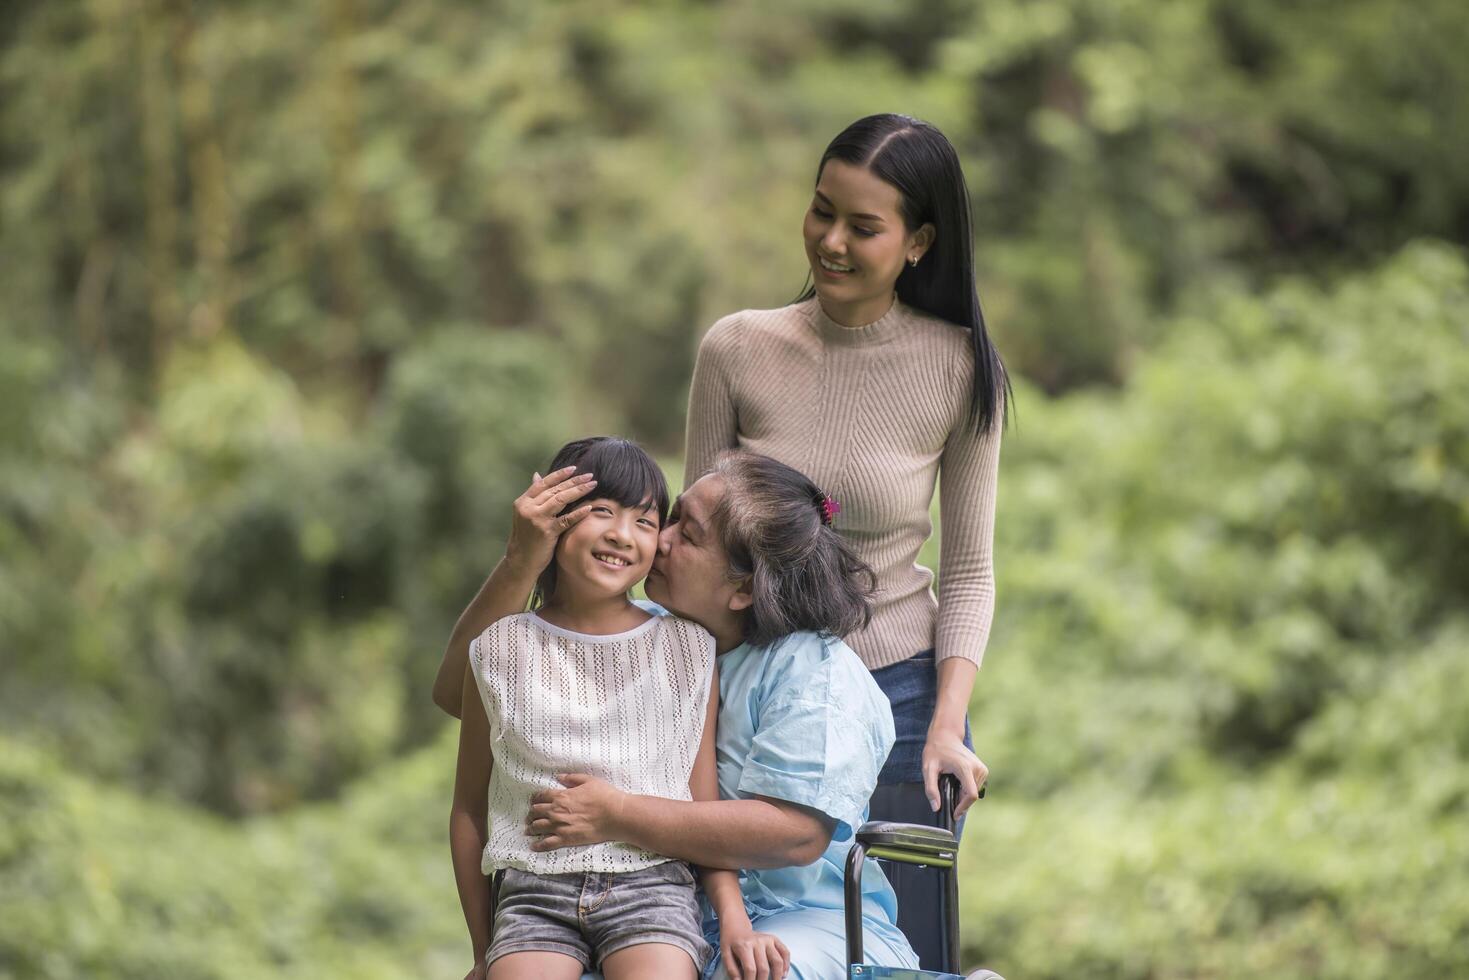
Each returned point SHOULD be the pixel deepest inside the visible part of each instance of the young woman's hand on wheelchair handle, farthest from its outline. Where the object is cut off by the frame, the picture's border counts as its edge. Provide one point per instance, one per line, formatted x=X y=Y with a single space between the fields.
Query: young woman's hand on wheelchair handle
x=585 y=812
x=751 y=955
x=536 y=526
x=943 y=752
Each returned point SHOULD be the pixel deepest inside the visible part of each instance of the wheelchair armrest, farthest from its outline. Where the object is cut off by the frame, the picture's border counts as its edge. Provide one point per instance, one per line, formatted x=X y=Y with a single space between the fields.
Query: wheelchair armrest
x=910 y=843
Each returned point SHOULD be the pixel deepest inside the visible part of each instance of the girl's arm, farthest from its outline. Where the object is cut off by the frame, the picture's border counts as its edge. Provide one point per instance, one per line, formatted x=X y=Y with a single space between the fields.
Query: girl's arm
x=721 y=885
x=746 y=953
x=712 y=421
x=533 y=533
x=503 y=594
x=469 y=814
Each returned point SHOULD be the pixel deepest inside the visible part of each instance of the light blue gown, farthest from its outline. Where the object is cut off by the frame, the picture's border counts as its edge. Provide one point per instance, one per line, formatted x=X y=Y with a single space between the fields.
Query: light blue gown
x=802 y=720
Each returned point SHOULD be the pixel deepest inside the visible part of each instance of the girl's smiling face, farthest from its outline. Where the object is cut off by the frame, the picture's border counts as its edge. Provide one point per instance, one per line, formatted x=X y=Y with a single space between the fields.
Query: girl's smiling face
x=609 y=551
x=857 y=243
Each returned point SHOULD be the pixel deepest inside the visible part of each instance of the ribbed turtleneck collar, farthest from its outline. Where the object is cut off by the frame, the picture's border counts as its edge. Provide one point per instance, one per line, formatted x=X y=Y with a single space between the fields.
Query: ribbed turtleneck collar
x=879 y=331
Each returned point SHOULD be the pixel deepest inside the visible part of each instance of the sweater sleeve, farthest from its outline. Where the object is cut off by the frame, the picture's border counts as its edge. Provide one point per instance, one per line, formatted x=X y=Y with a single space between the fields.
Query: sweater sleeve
x=968 y=475
x=713 y=419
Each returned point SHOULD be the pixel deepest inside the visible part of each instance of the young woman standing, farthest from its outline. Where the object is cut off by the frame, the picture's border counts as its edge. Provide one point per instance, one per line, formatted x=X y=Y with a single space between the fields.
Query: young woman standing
x=879 y=383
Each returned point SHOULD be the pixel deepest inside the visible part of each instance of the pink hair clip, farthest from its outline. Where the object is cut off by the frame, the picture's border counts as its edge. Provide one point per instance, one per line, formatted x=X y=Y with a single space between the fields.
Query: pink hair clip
x=830 y=508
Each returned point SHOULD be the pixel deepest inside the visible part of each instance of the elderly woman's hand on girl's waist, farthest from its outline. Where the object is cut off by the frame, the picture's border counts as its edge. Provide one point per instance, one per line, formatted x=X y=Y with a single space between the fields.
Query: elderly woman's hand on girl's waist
x=585 y=812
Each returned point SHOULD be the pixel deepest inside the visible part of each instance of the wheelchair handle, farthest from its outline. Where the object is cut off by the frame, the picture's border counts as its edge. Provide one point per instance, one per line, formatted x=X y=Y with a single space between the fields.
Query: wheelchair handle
x=948 y=794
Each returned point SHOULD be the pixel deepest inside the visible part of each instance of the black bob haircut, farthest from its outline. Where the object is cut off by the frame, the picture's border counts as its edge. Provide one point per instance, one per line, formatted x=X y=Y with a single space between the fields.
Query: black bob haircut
x=625 y=474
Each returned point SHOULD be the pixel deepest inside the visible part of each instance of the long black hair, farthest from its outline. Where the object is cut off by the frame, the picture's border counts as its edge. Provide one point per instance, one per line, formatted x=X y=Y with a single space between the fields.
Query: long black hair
x=776 y=534
x=626 y=475
x=917 y=159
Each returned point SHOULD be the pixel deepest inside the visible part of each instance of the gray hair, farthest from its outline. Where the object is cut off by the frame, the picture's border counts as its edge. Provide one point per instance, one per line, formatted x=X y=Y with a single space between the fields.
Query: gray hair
x=802 y=575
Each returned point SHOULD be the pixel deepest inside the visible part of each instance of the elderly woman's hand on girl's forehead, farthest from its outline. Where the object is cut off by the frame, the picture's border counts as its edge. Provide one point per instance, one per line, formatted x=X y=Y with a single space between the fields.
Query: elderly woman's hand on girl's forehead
x=538 y=521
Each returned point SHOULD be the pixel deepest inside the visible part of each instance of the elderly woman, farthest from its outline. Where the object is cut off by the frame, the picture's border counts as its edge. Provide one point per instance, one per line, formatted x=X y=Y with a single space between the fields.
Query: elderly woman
x=749 y=554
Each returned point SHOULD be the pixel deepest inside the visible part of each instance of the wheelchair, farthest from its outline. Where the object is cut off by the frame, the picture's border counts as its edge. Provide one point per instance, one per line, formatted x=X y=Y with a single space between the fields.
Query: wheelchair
x=935 y=937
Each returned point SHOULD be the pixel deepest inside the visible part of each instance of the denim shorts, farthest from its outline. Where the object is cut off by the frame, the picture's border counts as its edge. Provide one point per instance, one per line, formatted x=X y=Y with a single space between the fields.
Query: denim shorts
x=912 y=687
x=590 y=915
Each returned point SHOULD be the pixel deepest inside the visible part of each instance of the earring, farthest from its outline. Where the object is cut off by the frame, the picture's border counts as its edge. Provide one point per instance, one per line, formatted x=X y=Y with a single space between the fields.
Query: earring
x=913 y=261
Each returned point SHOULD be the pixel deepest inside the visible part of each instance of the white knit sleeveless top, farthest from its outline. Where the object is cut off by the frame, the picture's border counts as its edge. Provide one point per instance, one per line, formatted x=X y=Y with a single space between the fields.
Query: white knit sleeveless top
x=628 y=708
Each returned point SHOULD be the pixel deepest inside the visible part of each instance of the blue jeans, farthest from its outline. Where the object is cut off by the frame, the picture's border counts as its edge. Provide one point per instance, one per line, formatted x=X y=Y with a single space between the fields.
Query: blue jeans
x=912 y=687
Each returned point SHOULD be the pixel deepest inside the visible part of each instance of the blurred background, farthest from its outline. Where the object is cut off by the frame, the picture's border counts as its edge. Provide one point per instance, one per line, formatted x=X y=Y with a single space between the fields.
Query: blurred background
x=294 y=297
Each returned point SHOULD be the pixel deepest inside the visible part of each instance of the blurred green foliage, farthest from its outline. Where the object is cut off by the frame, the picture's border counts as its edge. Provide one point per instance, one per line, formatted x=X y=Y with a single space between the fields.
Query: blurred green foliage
x=275 y=585
x=294 y=298
x=1224 y=704
x=1243 y=589
x=101 y=883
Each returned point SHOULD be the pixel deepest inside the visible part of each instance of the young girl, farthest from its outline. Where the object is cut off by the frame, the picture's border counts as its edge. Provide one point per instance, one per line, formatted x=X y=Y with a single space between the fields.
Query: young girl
x=588 y=682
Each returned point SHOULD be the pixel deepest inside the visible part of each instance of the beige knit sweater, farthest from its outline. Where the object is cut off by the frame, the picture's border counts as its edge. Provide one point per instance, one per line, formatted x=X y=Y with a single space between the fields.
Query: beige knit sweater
x=873 y=415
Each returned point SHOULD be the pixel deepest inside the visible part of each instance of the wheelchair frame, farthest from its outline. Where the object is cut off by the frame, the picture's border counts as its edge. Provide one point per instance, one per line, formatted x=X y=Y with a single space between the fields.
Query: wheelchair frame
x=932 y=847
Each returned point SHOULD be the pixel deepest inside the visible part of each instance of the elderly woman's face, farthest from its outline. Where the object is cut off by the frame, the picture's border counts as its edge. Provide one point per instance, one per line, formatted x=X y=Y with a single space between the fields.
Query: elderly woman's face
x=690 y=571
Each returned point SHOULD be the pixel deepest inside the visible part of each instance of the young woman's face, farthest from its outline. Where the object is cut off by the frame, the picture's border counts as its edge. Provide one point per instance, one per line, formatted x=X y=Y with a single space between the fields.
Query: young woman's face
x=690 y=576
x=609 y=551
x=856 y=241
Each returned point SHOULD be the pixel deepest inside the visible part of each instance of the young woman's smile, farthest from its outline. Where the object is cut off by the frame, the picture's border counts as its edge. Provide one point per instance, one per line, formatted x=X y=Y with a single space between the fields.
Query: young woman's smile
x=857 y=242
